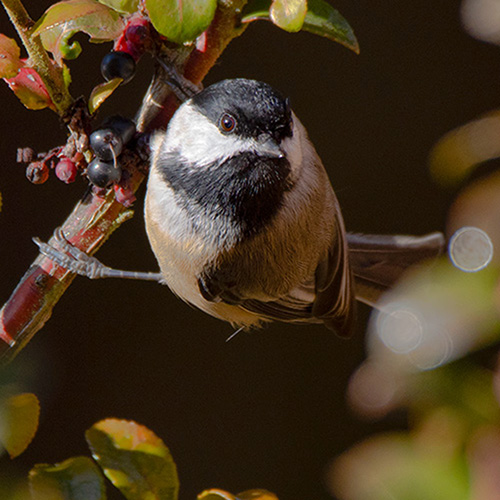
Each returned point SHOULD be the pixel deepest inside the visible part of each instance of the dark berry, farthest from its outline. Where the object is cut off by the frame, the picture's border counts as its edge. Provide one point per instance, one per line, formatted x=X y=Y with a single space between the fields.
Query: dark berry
x=106 y=143
x=118 y=64
x=102 y=174
x=66 y=170
x=123 y=127
x=37 y=172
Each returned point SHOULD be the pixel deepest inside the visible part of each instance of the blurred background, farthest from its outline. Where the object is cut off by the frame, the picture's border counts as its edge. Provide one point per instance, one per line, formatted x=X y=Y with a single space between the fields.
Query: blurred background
x=267 y=409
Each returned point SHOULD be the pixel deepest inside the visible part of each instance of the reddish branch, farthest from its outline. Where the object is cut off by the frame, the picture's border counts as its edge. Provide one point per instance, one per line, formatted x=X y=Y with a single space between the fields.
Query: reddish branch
x=94 y=218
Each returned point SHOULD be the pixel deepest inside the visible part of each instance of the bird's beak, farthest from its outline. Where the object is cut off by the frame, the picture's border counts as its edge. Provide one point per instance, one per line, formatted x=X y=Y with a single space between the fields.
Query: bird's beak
x=269 y=147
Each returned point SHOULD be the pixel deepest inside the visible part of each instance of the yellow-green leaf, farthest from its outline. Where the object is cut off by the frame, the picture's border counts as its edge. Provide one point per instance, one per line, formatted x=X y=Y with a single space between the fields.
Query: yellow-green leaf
x=288 y=14
x=9 y=57
x=101 y=92
x=256 y=495
x=19 y=419
x=77 y=478
x=214 y=494
x=181 y=20
x=123 y=6
x=134 y=459
x=62 y=20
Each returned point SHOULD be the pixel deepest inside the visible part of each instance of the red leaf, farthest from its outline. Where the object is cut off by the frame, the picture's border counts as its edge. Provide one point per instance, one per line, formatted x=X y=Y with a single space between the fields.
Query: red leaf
x=29 y=88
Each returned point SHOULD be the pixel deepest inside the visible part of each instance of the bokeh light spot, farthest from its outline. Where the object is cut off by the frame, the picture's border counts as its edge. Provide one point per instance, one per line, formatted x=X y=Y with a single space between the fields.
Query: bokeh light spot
x=470 y=249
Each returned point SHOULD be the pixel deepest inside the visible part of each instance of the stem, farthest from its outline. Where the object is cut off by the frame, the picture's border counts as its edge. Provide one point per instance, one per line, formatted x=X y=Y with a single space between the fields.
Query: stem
x=50 y=74
x=94 y=219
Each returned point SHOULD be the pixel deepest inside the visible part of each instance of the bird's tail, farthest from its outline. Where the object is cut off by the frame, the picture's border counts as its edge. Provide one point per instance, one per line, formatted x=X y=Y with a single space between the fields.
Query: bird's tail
x=377 y=261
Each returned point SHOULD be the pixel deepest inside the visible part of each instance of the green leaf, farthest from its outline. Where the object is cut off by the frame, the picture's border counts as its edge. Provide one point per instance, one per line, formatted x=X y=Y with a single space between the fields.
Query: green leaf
x=134 y=459
x=321 y=19
x=101 y=92
x=9 y=57
x=77 y=478
x=62 y=20
x=30 y=90
x=19 y=418
x=181 y=20
x=123 y=6
x=288 y=14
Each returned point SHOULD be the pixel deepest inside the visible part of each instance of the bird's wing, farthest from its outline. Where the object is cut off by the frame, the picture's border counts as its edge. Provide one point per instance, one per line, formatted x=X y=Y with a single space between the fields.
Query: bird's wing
x=329 y=299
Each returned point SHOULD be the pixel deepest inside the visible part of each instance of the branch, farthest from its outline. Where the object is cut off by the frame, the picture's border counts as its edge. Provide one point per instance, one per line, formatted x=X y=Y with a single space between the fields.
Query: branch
x=94 y=218
x=50 y=74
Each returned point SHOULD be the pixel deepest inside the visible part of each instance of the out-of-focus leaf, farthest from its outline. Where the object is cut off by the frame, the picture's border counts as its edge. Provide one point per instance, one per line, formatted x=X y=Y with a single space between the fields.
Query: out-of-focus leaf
x=77 y=478
x=9 y=57
x=288 y=14
x=101 y=92
x=123 y=6
x=321 y=19
x=19 y=416
x=134 y=459
x=256 y=495
x=433 y=316
x=181 y=20
x=62 y=20
x=458 y=152
x=30 y=90
x=394 y=466
x=484 y=458
x=215 y=494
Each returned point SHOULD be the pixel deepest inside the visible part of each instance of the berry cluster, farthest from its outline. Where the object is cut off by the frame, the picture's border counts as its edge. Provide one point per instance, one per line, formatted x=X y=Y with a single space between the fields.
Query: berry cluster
x=128 y=49
x=107 y=144
x=37 y=171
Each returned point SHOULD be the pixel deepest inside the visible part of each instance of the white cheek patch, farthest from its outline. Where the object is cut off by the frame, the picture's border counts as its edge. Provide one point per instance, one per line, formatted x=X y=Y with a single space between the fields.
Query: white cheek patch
x=199 y=140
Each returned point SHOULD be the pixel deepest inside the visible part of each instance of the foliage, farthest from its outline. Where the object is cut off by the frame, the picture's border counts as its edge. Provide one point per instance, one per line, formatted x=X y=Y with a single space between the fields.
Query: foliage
x=132 y=457
x=178 y=22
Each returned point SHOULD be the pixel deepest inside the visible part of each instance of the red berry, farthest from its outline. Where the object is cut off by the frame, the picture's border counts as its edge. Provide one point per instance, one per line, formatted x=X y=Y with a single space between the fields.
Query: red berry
x=37 y=172
x=124 y=195
x=137 y=34
x=66 y=170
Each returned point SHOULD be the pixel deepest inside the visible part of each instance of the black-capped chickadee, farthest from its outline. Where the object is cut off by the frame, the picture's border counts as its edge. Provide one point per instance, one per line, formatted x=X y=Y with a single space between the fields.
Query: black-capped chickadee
x=244 y=222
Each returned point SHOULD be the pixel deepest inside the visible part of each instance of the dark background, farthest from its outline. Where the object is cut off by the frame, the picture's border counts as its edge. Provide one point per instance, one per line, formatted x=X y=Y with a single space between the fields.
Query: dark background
x=266 y=409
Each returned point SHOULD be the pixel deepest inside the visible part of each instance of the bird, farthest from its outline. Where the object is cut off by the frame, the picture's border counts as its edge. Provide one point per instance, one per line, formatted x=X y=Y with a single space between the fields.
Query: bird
x=244 y=222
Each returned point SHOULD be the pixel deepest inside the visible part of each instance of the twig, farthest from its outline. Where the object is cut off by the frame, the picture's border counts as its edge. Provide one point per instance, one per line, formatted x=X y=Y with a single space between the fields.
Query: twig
x=50 y=74
x=94 y=219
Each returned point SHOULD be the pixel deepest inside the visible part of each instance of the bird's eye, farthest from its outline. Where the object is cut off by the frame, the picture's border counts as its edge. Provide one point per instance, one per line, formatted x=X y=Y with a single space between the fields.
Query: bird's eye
x=227 y=123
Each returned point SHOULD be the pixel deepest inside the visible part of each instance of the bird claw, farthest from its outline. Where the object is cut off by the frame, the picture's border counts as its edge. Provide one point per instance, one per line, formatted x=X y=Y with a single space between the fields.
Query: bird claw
x=70 y=257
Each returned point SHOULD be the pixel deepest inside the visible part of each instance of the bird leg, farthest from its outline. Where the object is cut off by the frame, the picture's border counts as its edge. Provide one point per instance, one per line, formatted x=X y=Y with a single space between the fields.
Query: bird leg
x=76 y=261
